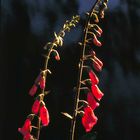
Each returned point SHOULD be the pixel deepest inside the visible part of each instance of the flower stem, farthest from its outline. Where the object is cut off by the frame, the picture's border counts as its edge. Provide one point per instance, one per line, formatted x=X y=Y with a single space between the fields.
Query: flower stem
x=81 y=64
x=67 y=26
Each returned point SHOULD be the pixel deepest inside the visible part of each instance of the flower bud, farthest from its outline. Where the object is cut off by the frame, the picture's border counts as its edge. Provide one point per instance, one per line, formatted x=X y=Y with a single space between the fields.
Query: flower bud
x=42 y=82
x=33 y=90
x=56 y=55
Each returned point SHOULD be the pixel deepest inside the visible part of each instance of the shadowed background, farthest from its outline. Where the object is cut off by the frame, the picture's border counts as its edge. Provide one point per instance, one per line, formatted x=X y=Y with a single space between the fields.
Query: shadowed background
x=26 y=26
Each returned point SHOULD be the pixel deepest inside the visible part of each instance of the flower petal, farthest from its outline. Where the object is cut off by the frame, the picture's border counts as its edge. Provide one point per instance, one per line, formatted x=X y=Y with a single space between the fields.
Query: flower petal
x=89 y=119
x=35 y=107
x=96 y=92
x=26 y=127
x=44 y=115
x=91 y=101
x=93 y=77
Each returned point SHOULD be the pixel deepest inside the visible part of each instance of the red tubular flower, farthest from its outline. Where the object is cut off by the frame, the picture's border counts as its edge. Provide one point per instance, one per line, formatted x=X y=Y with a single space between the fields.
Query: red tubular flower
x=100 y=30
x=26 y=127
x=44 y=115
x=96 y=65
x=91 y=101
x=33 y=90
x=42 y=82
x=98 y=61
x=89 y=119
x=35 y=107
x=28 y=136
x=96 y=41
x=98 y=33
x=96 y=92
x=93 y=77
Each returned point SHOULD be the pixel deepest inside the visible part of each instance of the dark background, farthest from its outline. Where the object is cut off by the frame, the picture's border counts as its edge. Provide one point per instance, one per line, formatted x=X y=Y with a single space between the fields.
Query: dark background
x=26 y=26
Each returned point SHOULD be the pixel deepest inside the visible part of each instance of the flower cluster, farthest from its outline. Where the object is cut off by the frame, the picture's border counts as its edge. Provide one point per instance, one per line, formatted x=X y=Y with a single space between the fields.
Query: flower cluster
x=39 y=109
x=94 y=94
x=87 y=79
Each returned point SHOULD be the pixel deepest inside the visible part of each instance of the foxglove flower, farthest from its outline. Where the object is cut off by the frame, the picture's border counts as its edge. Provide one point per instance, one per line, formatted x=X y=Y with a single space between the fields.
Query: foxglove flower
x=91 y=101
x=44 y=115
x=26 y=127
x=96 y=41
x=28 y=136
x=96 y=65
x=33 y=90
x=42 y=82
x=89 y=119
x=96 y=92
x=99 y=30
x=36 y=106
x=98 y=61
x=93 y=77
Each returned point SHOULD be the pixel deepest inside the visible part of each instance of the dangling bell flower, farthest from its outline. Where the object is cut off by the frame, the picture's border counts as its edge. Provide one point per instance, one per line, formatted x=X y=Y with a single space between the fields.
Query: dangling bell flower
x=56 y=55
x=93 y=77
x=96 y=41
x=36 y=106
x=33 y=90
x=96 y=92
x=96 y=65
x=44 y=115
x=26 y=127
x=42 y=82
x=91 y=101
x=28 y=136
x=89 y=119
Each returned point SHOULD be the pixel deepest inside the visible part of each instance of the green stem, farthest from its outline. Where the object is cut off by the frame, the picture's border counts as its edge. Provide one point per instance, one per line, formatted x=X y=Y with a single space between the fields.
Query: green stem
x=67 y=27
x=73 y=123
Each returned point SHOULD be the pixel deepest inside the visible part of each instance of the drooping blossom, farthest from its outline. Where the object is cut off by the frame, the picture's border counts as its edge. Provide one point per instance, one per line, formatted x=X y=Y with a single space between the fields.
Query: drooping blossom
x=42 y=82
x=89 y=119
x=28 y=136
x=98 y=61
x=26 y=128
x=91 y=101
x=96 y=92
x=100 y=30
x=96 y=41
x=44 y=115
x=36 y=106
x=33 y=90
x=93 y=77
x=56 y=55
x=96 y=65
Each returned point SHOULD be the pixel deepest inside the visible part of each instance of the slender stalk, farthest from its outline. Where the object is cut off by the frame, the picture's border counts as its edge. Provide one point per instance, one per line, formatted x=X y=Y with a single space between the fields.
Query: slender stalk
x=53 y=44
x=83 y=48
